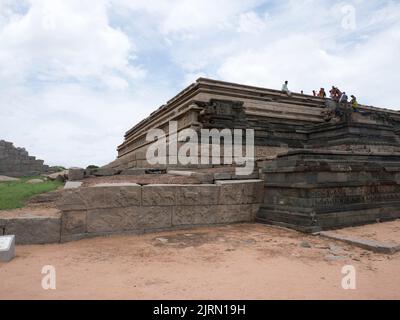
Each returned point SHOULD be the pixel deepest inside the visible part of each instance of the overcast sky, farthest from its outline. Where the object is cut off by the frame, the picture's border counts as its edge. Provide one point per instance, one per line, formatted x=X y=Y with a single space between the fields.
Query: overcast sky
x=76 y=74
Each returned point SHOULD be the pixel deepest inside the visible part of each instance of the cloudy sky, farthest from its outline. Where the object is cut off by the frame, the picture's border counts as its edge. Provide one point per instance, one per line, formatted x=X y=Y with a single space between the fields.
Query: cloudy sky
x=76 y=74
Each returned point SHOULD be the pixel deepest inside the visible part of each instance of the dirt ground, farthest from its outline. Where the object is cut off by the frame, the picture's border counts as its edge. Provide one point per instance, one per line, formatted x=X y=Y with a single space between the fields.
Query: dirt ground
x=248 y=261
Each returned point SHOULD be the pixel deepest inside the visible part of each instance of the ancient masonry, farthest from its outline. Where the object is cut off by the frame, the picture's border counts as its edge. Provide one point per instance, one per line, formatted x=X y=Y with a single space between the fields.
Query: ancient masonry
x=16 y=162
x=313 y=171
x=319 y=173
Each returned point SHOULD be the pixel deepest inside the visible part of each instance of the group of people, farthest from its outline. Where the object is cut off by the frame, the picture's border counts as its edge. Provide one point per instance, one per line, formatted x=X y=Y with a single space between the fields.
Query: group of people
x=335 y=94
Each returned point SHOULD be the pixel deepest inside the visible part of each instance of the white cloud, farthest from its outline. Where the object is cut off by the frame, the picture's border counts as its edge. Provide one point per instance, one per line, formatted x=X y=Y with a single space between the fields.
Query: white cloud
x=307 y=45
x=250 y=22
x=62 y=40
x=76 y=74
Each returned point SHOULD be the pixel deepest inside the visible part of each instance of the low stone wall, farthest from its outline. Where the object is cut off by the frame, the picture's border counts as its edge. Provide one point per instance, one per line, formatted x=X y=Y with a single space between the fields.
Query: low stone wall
x=130 y=208
x=32 y=226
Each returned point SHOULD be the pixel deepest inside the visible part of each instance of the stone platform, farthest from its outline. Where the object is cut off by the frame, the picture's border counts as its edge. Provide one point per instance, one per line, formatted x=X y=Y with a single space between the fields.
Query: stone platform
x=313 y=190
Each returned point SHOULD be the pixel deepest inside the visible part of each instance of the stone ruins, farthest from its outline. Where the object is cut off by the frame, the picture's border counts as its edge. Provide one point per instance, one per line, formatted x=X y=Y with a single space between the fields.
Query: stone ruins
x=313 y=171
x=16 y=162
x=320 y=172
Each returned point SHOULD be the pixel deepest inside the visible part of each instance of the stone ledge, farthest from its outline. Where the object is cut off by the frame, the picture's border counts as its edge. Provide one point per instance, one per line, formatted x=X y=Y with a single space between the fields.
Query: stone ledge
x=371 y=245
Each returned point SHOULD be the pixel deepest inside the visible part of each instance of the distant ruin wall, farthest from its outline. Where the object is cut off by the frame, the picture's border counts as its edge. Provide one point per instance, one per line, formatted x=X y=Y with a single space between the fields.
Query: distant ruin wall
x=16 y=162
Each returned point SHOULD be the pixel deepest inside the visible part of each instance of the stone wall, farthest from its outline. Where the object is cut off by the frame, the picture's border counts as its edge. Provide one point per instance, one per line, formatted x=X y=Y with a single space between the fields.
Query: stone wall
x=119 y=208
x=315 y=190
x=16 y=162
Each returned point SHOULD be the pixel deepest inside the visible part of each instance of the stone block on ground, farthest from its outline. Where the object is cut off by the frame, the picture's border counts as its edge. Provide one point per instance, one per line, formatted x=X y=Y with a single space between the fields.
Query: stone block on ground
x=72 y=184
x=58 y=176
x=34 y=230
x=76 y=174
x=7 y=248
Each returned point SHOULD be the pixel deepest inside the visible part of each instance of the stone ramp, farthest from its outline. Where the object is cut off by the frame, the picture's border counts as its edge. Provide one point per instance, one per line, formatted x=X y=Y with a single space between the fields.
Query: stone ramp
x=379 y=237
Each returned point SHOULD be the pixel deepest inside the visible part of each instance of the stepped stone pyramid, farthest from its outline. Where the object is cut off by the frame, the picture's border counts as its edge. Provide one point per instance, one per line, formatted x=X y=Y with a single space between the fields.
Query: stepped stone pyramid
x=16 y=162
x=320 y=171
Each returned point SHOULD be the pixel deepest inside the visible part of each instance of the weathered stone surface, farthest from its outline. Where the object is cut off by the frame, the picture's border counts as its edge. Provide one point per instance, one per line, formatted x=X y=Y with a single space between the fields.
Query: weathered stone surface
x=197 y=195
x=222 y=176
x=235 y=213
x=159 y=195
x=316 y=190
x=105 y=172
x=7 y=248
x=371 y=245
x=206 y=178
x=76 y=174
x=35 y=230
x=100 y=197
x=59 y=176
x=240 y=192
x=126 y=219
x=72 y=184
x=71 y=200
x=195 y=215
x=133 y=172
x=73 y=222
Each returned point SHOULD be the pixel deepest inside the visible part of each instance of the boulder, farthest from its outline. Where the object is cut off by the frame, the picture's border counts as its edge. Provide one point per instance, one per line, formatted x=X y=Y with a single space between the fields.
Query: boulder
x=35 y=181
x=7 y=179
x=58 y=176
x=76 y=174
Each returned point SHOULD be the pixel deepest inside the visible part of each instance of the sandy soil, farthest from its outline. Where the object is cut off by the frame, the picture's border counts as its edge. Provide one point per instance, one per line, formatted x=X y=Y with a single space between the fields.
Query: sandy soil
x=385 y=232
x=249 y=261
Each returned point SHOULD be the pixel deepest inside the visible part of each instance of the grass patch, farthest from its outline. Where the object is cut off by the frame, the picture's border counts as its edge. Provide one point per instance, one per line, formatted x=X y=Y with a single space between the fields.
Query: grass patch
x=14 y=194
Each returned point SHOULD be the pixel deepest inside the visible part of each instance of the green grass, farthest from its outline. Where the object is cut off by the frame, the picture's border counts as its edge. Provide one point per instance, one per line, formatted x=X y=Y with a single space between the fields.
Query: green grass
x=15 y=194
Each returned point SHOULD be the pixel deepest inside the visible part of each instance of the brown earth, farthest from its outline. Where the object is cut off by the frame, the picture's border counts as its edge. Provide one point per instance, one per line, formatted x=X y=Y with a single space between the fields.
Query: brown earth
x=248 y=261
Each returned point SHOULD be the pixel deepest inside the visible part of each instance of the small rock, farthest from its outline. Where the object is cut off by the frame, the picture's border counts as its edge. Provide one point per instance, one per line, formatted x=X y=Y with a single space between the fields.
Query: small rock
x=331 y=257
x=35 y=181
x=58 y=176
x=336 y=250
x=163 y=240
x=8 y=179
x=306 y=245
